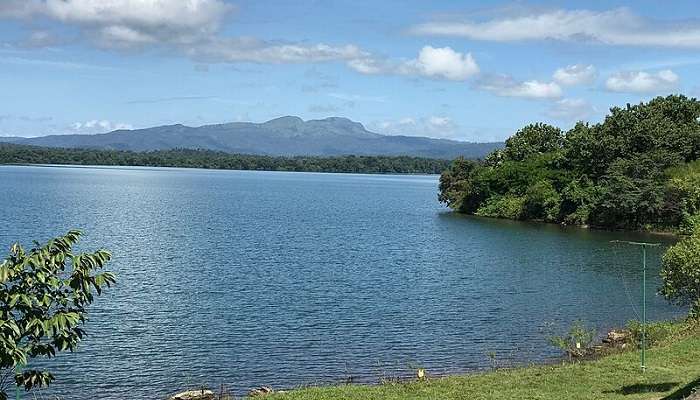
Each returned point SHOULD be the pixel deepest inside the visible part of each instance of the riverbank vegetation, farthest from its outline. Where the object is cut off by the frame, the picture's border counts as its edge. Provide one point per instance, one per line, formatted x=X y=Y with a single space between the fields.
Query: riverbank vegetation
x=672 y=374
x=186 y=158
x=638 y=169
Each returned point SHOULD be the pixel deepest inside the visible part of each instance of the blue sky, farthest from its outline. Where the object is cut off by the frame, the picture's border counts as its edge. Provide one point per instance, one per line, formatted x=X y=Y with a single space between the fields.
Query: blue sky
x=473 y=71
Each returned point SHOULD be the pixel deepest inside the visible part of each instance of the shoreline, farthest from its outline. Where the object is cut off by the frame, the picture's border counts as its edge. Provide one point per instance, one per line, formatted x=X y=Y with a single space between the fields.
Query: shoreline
x=615 y=355
x=110 y=166
x=664 y=233
x=672 y=371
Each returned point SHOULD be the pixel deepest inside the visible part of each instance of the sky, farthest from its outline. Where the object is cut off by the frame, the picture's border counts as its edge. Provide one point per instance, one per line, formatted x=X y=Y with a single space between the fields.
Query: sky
x=465 y=70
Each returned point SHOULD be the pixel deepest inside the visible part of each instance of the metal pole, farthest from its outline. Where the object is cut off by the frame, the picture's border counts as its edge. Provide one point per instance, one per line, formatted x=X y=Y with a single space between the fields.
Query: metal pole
x=18 y=370
x=644 y=246
x=644 y=306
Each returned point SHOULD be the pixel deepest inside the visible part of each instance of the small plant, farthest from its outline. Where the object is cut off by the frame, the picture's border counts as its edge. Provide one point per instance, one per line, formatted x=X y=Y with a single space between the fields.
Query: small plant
x=577 y=342
x=492 y=359
x=45 y=293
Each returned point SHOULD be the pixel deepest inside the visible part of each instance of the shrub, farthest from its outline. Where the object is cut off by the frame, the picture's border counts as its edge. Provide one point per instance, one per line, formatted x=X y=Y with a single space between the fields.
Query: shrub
x=680 y=274
x=577 y=341
x=690 y=225
x=542 y=201
x=656 y=332
x=507 y=206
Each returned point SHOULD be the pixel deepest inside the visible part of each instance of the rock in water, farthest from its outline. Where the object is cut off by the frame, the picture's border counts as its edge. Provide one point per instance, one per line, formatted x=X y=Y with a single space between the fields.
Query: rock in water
x=194 y=395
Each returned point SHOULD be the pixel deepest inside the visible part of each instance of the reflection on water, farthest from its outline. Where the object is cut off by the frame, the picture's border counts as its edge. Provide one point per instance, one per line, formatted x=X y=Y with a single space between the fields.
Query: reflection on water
x=252 y=278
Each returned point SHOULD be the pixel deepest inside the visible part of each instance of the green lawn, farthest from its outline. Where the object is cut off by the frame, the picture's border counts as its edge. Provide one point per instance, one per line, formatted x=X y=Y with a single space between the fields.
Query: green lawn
x=672 y=370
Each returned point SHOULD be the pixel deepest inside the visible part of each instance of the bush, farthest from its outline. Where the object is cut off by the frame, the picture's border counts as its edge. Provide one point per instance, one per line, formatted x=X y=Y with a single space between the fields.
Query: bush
x=690 y=225
x=680 y=273
x=508 y=206
x=656 y=332
x=578 y=340
x=542 y=202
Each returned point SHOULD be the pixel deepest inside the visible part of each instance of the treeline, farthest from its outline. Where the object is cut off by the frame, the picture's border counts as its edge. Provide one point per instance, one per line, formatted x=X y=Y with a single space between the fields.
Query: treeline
x=187 y=158
x=638 y=169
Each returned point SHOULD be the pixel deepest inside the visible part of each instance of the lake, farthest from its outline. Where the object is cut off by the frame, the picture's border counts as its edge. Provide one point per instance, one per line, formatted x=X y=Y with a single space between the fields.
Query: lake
x=269 y=278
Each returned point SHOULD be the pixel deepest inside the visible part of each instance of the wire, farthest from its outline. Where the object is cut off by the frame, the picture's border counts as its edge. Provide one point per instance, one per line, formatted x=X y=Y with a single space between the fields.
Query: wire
x=627 y=291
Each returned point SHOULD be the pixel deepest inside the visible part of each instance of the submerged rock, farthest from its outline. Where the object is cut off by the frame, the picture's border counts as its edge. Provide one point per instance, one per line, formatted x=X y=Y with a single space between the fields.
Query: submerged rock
x=194 y=395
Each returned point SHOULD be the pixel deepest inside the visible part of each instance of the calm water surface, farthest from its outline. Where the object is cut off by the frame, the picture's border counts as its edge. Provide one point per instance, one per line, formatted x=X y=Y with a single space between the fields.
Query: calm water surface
x=284 y=279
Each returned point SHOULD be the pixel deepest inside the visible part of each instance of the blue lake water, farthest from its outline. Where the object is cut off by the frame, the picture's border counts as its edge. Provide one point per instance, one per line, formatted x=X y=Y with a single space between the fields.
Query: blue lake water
x=285 y=279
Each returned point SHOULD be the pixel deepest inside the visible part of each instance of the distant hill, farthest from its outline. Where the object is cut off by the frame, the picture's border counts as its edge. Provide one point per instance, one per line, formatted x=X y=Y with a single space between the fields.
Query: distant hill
x=285 y=136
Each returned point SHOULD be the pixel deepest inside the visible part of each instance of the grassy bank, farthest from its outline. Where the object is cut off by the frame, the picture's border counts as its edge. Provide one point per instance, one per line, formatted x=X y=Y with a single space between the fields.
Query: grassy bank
x=673 y=370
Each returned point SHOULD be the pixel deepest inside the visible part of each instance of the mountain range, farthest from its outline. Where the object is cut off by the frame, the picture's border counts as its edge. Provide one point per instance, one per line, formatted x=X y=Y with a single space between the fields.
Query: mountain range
x=284 y=136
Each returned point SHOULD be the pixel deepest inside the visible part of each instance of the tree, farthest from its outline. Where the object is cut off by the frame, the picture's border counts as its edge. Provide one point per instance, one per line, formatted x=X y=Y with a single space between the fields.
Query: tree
x=542 y=201
x=455 y=184
x=44 y=294
x=531 y=140
x=638 y=169
x=680 y=274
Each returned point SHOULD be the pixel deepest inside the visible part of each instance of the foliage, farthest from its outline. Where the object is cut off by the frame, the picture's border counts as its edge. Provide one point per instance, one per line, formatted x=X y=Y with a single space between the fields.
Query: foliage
x=542 y=201
x=577 y=341
x=683 y=189
x=532 y=140
x=638 y=169
x=508 y=206
x=44 y=294
x=661 y=332
x=680 y=274
x=454 y=183
x=20 y=154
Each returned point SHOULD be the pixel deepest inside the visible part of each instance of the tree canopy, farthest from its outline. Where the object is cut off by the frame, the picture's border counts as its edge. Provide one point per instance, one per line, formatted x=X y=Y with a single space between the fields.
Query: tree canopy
x=637 y=169
x=188 y=158
x=44 y=294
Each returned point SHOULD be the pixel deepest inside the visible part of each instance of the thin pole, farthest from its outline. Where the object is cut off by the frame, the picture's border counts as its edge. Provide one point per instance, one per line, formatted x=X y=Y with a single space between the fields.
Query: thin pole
x=18 y=369
x=644 y=306
x=644 y=246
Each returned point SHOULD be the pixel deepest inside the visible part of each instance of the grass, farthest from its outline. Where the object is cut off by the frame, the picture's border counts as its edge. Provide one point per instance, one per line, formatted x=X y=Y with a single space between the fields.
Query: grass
x=673 y=371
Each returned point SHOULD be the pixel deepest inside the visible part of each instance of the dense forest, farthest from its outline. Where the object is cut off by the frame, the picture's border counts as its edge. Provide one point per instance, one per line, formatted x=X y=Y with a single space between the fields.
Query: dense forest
x=21 y=154
x=637 y=169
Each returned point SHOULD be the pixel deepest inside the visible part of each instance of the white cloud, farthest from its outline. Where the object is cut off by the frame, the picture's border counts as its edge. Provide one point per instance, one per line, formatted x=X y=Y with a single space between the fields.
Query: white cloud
x=613 y=27
x=506 y=86
x=570 y=110
x=97 y=126
x=370 y=66
x=137 y=22
x=442 y=62
x=642 y=82
x=254 y=50
x=189 y=27
x=575 y=75
x=432 y=126
x=432 y=62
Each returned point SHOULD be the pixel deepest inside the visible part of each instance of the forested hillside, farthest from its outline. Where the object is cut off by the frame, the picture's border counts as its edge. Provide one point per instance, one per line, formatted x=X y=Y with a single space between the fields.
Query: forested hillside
x=638 y=169
x=21 y=154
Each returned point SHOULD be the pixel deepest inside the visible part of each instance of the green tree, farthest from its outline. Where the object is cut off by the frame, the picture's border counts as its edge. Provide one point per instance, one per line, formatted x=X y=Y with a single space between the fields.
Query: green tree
x=542 y=201
x=531 y=140
x=680 y=274
x=683 y=196
x=44 y=294
x=456 y=189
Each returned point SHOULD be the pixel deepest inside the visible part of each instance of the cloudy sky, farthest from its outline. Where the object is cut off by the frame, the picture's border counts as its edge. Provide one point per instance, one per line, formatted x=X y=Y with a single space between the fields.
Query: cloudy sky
x=465 y=70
